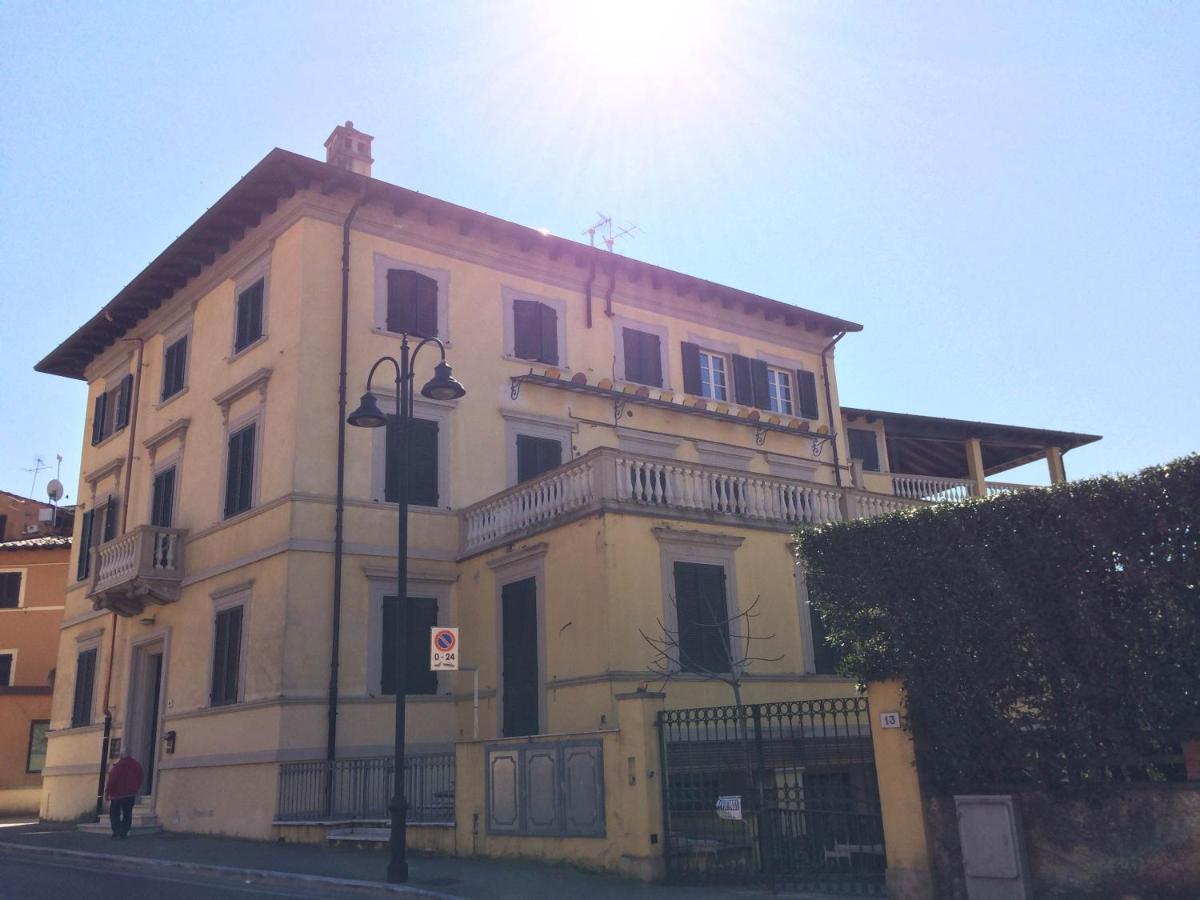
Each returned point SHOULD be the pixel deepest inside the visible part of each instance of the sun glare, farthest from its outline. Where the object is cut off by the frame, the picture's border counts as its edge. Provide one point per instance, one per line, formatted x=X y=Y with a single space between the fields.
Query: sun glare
x=627 y=44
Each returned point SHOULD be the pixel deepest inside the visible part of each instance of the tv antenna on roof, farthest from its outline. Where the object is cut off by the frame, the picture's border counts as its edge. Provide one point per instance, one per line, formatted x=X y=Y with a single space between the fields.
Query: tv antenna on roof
x=604 y=227
x=38 y=464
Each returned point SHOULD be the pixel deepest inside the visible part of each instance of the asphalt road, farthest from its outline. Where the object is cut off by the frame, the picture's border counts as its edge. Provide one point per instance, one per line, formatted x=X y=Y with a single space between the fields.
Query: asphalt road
x=29 y=879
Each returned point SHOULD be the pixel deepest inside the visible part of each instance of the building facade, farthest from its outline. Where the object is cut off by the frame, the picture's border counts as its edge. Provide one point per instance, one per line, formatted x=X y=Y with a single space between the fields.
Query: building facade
x=33 y=573
x=633 y=450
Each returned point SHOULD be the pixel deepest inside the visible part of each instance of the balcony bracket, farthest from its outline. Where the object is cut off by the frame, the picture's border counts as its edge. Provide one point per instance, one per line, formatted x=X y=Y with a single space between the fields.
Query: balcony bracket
x=619 y=406
x=760 y=436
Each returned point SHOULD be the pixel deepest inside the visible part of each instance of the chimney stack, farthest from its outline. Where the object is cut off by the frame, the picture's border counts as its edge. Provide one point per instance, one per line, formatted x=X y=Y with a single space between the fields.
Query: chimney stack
x=349 y=148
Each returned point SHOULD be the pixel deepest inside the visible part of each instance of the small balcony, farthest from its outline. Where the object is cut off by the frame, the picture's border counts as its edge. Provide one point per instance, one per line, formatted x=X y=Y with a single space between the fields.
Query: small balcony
x=142 y=566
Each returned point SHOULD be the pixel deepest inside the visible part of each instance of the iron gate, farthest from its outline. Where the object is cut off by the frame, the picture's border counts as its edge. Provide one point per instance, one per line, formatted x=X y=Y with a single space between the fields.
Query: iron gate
x=803 y=775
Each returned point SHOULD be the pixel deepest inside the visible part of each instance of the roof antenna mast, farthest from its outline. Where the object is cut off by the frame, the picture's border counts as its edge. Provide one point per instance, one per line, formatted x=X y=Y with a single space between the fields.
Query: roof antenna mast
x=604 y=227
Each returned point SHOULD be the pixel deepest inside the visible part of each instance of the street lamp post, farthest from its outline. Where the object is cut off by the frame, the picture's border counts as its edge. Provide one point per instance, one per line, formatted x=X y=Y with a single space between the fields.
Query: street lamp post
x=442 y=386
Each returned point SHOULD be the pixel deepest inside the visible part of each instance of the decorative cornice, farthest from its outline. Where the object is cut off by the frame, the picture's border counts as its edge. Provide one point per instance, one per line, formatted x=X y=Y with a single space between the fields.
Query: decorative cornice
x=178 y=428
x=113 y=467
x=257 y=381
x=698 y=538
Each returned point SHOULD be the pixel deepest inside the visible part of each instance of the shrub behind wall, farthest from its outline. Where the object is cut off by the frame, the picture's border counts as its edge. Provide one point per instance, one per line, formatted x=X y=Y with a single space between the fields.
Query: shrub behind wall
x=1047 y=636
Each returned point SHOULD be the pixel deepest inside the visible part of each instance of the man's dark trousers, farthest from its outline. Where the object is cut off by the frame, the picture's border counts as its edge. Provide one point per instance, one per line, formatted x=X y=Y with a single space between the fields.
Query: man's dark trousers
x=120 y=813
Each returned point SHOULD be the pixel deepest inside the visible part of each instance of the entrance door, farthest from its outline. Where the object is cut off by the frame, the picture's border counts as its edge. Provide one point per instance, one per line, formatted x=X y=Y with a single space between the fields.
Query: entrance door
x=520 y=678
x=142 y=733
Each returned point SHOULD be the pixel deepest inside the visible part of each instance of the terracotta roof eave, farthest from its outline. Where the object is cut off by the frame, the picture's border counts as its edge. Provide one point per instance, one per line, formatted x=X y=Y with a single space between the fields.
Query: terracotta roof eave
x=279 y=175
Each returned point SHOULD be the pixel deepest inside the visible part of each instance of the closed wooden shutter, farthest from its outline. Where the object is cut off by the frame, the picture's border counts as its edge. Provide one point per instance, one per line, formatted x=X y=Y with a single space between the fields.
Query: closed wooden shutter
x=691 y=367
x=227 y=649
x=249 y=316
x=743 y=383
x=5 y=669
x=825 y=657
x=535 y=331
x=85 y=680
x=536 y=455
x=864 y=446
x=703 y=619
x=761 y=386
x=239 y=472
x=527 y=330
x=110 y=520
x=10 y=590
x=124 y=395
x=98 y=412
x=422 y=463
x=421 y=617
x=520 y=677
x=163 y=505
x=411 y=303
x=174 y=368
x=83 y=564
x=643 y=357
x=806 y=391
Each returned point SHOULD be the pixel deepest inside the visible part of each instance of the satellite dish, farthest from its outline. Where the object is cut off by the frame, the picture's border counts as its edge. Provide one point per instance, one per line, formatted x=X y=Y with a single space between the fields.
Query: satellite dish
x=54 y=490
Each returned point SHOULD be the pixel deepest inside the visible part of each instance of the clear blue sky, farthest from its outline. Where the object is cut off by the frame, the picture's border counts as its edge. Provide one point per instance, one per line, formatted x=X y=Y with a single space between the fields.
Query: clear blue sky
x=1007 y=196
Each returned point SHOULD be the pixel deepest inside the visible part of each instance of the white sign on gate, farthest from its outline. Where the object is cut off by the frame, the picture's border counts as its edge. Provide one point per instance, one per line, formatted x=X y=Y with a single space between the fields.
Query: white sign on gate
x=443 y=649
x=729 y=807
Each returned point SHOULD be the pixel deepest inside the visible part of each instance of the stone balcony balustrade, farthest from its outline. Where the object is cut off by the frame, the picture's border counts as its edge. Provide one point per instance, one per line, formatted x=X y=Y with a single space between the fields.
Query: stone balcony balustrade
x=144 y=565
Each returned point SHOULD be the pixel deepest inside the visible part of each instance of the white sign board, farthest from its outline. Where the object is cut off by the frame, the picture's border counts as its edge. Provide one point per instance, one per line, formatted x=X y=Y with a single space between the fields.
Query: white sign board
x=443 y=649
x=889 y=720
x=729 y=807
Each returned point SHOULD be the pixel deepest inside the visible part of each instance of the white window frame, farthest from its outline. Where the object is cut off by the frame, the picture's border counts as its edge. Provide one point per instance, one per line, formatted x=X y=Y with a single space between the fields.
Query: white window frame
x=774 y=394
x=12 y=667
x=619 y=324
x=726 y=368
x=706 y=548
x=382 y=263
x=423 y=408
x=382 y=583
x=246 y=279
x=509 y=295
x=225 y=599
x=533 y=425
x=24 y=573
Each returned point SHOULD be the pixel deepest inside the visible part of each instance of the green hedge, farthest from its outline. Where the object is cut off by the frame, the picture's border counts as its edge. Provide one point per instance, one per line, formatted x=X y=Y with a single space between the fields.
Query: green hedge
x=1046 y=636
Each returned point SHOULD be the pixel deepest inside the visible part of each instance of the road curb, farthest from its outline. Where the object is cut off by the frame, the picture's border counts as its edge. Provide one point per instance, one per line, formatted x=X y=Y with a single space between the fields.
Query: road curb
x=262 y=874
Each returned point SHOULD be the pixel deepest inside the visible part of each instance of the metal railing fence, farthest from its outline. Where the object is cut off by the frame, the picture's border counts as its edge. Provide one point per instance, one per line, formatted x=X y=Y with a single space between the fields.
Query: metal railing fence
x=360 y=790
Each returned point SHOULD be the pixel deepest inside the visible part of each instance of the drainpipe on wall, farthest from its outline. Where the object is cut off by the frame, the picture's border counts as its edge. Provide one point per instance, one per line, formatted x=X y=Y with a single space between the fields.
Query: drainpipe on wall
x=587 y=288
x=837 y=465
x=340 y=508
x=612 y=284
x=134 y=395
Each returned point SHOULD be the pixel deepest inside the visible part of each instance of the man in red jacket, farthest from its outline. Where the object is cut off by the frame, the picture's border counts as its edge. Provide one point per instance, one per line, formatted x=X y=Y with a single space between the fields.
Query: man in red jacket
x=121 y=790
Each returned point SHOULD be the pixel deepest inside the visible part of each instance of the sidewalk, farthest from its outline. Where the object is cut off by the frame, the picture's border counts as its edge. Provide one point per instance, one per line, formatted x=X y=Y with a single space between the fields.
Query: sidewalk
x=447 y=877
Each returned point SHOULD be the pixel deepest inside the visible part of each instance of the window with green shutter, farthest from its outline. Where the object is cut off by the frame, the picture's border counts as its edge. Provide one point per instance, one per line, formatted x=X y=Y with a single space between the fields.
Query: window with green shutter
x=422 y=463
x=174 y=368
x=249 y=319
x=239 y=471
x=85 y=683
x=10 y=590
x=643 y=357
x=864 y=446
x=702 y=616
x=227 y=656
x=535 y=331
x=412 y=303
x=536 y=455
x=420 y=620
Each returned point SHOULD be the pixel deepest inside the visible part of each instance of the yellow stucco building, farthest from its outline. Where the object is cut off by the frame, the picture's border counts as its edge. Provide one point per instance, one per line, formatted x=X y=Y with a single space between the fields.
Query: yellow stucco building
x=634 y=446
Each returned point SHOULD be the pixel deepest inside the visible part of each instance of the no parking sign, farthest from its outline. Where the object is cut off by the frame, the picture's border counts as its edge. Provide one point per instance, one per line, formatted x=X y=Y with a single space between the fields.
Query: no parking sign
x=443 y=650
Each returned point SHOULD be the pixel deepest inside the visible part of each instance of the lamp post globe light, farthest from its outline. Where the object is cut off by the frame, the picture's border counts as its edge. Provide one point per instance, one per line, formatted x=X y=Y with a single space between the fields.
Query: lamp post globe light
x=442 y=386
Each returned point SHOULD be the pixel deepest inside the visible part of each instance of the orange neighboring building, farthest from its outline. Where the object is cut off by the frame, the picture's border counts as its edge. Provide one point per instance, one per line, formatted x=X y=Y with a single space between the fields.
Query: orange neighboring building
x=33 y=578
